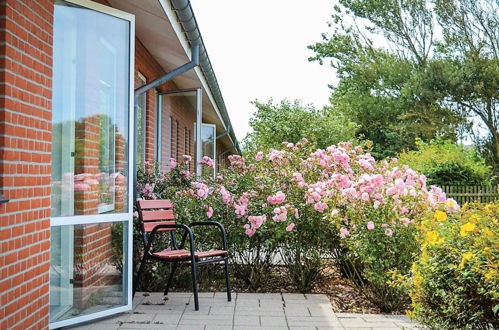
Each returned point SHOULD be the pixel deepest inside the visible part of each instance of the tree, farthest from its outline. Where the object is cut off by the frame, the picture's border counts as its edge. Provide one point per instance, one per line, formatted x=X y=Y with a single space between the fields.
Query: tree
x=421 y=84
x=470 y=56
x=288 y=121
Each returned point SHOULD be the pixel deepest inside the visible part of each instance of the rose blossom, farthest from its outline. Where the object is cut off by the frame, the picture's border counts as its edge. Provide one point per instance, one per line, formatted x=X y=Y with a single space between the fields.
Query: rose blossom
x=370 y=225
x=290 y=227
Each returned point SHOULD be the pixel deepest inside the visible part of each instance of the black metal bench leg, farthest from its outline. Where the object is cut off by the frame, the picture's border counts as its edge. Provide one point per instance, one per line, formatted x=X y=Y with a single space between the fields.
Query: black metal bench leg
x=169 y=283
x=194 y=283
x=139 y=274
x=227 y=280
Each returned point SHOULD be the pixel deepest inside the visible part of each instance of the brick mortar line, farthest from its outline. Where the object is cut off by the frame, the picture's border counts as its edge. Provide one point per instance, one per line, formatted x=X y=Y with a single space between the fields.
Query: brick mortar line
x=38 y=107
x=28 y=79
x=25 y=246
x=27 y=270
x=35 y=13
x=27 y=306
x=27 y=31
x=27 y=140
x=5 y=43
x=25 y=67
x=26 y=211
x=25 y=90
x=24 y=223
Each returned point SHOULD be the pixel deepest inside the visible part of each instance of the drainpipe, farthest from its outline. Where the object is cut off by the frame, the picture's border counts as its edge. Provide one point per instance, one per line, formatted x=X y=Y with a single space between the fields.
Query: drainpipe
x=199 y=124
x=194 y=62
x=226 y=132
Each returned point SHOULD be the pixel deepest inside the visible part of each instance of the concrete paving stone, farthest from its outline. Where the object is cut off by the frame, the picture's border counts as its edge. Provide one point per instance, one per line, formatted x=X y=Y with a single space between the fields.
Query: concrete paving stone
x=373 y=317
x=271 y=305
x=218 y=327
x=331 y=328
x=322 y=312
x=270 y=321
x=136 y=318
x=411 y=325
x=359 y=323
x=203 y=310
x=207 y=317
x=297 y=311
x=317 y=297
x=217 y=310
x=302 y=328
x=223 y=295
x=190 y=327
x=262 y=328
x=293 y=296
x=258 y=311
x=247 y=320
x=347 y=315
x=201 y=322
x=270 y=296
x=171 y=319
x=313 y=321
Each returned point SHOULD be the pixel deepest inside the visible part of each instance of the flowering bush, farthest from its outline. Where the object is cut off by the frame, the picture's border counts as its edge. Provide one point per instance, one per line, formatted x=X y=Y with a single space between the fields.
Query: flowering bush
x=298 y=206
x=455 y=283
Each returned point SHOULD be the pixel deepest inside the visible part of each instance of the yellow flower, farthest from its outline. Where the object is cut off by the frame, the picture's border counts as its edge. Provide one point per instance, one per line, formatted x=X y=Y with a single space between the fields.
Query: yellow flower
x=466 y=228
x=440 y=216
x=491 y=274
x=466 y=256
x=432 y=237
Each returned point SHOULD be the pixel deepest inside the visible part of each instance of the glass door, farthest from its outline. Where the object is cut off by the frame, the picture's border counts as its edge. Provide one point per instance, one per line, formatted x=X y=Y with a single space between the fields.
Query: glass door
x=91 y=220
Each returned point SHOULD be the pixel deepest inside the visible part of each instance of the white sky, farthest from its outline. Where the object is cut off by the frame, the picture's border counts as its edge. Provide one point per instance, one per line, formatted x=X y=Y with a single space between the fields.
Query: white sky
x=258 y=49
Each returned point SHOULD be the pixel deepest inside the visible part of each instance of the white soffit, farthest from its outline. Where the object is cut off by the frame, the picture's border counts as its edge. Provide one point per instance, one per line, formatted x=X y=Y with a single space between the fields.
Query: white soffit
x=168 y=45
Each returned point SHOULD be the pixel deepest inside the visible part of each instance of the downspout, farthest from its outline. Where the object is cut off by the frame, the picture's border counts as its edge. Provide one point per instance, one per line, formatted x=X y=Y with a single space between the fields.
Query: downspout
x=194 y=62
x=189 y=24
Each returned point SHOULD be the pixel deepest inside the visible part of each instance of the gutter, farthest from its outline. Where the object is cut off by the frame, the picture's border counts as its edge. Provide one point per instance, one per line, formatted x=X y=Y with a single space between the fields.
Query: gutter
x=190 y=28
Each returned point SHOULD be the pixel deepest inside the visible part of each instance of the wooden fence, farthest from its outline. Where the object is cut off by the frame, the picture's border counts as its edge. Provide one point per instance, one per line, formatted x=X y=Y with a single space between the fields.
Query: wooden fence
x=467 y=194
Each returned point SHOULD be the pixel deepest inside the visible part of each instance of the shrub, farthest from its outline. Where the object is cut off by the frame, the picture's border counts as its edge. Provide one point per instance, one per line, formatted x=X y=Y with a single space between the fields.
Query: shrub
x=455 y=283
x=446 y=163
x=298 y=206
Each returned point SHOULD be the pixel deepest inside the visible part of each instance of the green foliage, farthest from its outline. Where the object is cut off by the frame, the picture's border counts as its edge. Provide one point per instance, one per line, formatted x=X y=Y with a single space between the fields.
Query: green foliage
x=418 y=84
x=455 y=282
x=445 y=163
x=291 y=121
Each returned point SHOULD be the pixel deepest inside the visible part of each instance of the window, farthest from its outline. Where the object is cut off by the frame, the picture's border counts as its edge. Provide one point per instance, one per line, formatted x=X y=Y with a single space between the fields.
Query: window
x=141 y=123
x=91 y=162
x=208 y=146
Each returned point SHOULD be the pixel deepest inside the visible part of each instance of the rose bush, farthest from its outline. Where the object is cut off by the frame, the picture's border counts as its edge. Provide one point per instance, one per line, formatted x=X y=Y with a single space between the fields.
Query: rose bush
x=299 y=207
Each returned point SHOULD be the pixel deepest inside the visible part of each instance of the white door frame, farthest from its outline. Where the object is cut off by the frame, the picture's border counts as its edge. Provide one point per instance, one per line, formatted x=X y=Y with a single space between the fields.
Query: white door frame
x=117 y=217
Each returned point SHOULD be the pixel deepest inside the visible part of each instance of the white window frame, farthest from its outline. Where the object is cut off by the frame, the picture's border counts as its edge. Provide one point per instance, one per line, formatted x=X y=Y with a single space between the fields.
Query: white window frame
x=116 y=217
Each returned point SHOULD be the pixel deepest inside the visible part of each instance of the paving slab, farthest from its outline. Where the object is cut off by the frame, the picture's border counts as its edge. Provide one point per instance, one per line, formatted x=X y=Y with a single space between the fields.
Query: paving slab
x=270 y=311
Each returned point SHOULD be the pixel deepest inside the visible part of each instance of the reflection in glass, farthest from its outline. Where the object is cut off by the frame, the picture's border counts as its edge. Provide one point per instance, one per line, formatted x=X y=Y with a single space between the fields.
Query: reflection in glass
x=90 y=112
x=89 y=275
x=208 y=146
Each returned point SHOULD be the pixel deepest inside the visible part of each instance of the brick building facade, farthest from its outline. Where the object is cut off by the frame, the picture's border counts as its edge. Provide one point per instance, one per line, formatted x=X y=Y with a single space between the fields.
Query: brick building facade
x=28 y=131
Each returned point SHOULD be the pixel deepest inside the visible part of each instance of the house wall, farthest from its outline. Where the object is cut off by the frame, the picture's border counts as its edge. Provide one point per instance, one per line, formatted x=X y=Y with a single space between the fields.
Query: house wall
x=25 y=152
x=26 y=30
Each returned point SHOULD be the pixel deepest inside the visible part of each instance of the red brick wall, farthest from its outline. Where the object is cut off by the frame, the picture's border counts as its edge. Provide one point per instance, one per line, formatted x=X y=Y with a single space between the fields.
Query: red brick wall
x=25 y=151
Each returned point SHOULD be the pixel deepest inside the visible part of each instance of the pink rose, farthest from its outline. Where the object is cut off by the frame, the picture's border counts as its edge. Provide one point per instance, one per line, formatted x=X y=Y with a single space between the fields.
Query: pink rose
x=320 y=206
x=334 y=212
x=209 y=213
x=370 y=225
x=290 y=227
x=259 y=156
x=389 y=232
x=344 y=232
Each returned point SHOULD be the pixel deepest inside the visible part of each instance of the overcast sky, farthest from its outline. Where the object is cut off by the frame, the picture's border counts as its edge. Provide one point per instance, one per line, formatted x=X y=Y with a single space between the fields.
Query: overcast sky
x=258 y=50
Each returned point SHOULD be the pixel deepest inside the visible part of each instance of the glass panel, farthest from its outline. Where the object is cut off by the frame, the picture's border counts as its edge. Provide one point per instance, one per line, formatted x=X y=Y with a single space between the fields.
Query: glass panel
x=208 y=146
x=90 y=112
x=88 y=269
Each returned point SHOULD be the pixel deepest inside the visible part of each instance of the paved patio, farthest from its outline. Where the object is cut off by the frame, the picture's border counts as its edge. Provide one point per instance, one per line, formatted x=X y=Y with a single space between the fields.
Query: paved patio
x=245 y=311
